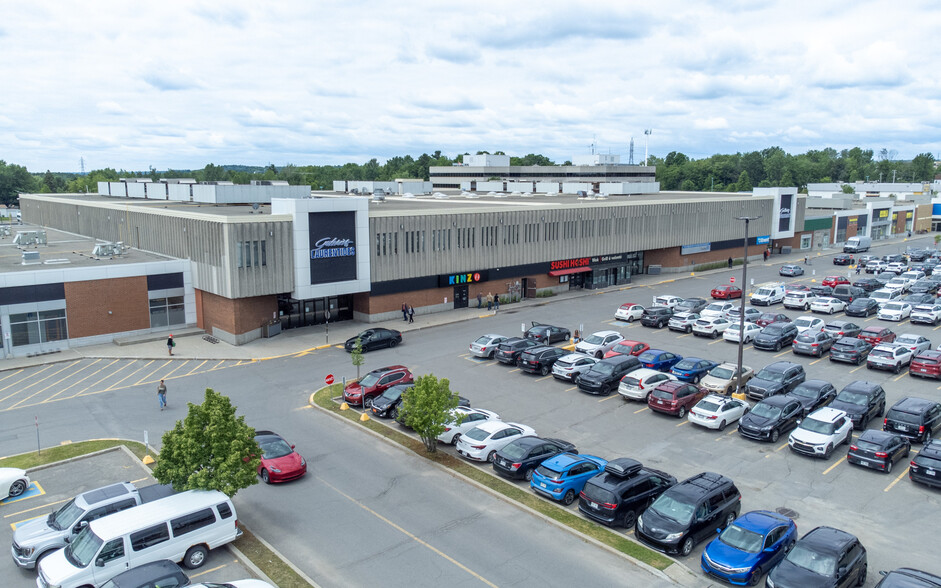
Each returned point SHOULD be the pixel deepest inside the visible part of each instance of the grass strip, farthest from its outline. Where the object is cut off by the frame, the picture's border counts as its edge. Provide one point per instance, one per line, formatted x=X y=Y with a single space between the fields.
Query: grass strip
x=268 y=562
x=62 y=452
x=324 y=399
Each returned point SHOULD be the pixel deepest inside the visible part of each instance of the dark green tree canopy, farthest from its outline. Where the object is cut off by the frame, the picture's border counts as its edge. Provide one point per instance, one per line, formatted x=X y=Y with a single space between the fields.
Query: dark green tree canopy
x=427 y=406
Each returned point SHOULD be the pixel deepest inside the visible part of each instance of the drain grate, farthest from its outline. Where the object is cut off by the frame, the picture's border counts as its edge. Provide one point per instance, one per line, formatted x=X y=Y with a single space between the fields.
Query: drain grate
x=210 y=338
x=789 y=513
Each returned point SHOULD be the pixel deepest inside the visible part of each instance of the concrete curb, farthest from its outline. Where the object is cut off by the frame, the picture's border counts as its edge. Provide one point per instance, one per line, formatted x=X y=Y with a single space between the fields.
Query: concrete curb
x=684 y=579
x=304 y=576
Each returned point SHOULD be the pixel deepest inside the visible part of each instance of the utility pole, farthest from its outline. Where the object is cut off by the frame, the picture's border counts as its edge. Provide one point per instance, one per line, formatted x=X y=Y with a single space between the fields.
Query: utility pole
x=741 y=317
x=646 y=136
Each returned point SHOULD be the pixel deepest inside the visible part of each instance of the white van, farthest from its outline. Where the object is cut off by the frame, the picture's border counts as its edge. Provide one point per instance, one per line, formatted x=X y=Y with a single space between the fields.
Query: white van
x=768 y=294
x=857 y=244
x=183 y=527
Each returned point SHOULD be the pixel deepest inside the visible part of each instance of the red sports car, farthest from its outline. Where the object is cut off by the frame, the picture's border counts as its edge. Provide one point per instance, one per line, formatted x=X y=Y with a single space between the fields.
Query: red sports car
x=279 y=461
x=726 y=292
x=834 y=281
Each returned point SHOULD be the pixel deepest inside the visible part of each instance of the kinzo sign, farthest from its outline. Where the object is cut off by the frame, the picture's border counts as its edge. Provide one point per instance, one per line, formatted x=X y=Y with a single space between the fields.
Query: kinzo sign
x=332 y=246
x=459 y=279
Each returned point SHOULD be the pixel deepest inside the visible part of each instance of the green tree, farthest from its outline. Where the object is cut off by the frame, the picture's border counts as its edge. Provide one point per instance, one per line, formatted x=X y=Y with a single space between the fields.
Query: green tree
x=14 y=179
x=848 y=189
x=426 y=408
x=356 y=355
x=211 y=449
x=744 y=182
x=923 y=167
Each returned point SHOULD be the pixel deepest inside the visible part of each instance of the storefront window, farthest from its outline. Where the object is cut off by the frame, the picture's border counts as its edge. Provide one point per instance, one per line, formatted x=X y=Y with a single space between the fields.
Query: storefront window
x=167 y=311
x=32 y=328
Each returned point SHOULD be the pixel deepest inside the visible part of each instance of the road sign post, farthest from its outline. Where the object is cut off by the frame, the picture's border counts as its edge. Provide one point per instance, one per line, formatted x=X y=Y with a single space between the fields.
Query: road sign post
x=329 y=379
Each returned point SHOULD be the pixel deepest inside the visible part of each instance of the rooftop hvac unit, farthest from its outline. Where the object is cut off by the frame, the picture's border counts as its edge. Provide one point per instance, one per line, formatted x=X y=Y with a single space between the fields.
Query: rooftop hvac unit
x=30 y=238
x=109 y=249
x=30 y=257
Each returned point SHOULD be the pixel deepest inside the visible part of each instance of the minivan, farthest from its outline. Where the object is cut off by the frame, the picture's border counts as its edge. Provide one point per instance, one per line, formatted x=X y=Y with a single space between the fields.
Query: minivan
x=183 y=527
x=617 y=496
x=848 y=293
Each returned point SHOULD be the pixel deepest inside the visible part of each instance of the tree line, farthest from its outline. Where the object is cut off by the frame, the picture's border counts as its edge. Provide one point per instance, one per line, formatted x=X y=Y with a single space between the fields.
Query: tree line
x=717 y=173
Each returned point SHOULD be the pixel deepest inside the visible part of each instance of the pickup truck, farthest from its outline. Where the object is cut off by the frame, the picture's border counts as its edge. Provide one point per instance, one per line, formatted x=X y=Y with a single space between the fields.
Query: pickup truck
x=37 y=538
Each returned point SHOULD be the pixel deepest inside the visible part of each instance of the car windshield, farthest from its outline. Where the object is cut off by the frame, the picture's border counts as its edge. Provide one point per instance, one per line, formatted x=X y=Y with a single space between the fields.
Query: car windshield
x=369 y=380
x=687 y=364
x=514 y=451
x=623 y=348
x=484 y=340
x=867 y=445
x=549 y=473
x=773 y=330
x=766 y=411
x=803 y=322
x=667 y=506
x=770 y=376
x=764 y=292
x=804 y=392
x=905 y=417
x=66 y=516
x=83 y=548
x=840 y=346
x=274 y=447
x=631 y=382
x=892 y=306
x=707 y=405
x=723 y=373
x=852 y=398
x=477 y=434
x=602 y=368
x=815 y=426
x=742 y=539
x=664 y=394
x=716 y=306
x=907 y=339
x=881 y=353
x=393 y=393
x=880 y=295
x=594 y=339
x=818 y=563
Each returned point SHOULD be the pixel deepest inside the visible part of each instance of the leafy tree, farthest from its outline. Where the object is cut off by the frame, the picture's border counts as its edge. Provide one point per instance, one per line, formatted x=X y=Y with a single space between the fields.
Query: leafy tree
x=211 y=449
x=744 y=182
x=14 y=179
x=426 y=408
x=923 y=167
x=848 y=189
x=356 y=355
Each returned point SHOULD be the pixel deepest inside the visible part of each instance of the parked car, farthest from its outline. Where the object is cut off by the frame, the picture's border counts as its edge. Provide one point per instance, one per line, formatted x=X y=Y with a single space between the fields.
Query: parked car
x=161 y=573
x=916 y=299
x=926 y=364
x=771 y=417
x=604 y=377
x=827 y=305
x=627 y=347
x=823 y=557
x=924 y=286
x=547 y=334
x=683 y=321
x=862 y=401
x=658 y=359
x=928 y=314
x=656 y=316
x=813 y=394
x=790 y=270
x=779 y=377
x=752 y=545
x=916 y=343
x=878 y=450
x=638 y=384
x=864 y=307
x=834 y=281
x=13 y=482
x=517 y=459
x=597 y=344
x=691 y=305
x=810 y=324
x=868 y=284
x=751 y=314
x=884 y=277
x=925 y=467
x=509 y=351
x=692 y=369
x=486 y=345
x=726 y=292
x=539 y=359
x=915 y=418
x=772 y=317
x=874 y=335
x=843 y=259
x=837 y=329
x=365 y=390
x=897 y=267
x=814 y=343
x=819 y=290
x=667 y=300
x=733 y=334
x=688 y=513
x=562 y=477
x=716 y=412
x=675 y=398
x=723 y=379
x=710 y=326
x=619 y=495
x=570 y=367
x=885 y=295
x=820 y=432
x=889 y=356
x=463 y=419
x=895 y=311
x=794 y=287
x=279 y=462
x=874 y=266
x=717 y=310
x=908 y=578
x=799 y=299
x=484 y=441
x=387 y=404
x=775 y=336
x=847 y=293
x=372 y=339
x=768 y=294
x=629 y=312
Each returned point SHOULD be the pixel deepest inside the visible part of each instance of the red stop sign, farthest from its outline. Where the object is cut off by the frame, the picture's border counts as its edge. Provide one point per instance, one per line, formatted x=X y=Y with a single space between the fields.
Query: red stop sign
x=732 y=280
x=328 y=379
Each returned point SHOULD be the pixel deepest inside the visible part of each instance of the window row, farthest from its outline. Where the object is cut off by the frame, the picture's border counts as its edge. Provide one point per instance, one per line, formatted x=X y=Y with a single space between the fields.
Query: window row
x=251 y=254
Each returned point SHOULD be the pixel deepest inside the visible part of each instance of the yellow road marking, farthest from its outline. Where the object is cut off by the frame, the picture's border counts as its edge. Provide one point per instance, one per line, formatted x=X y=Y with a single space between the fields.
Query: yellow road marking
x=896 y=480
x=19 y=381
x=685 y=335
x=141 y=381
x=900 y=376
x=783 y=353
x=572 y=388
x=111 y=387
x=610 y=397
x=207 y=571
x=544 y=378
x=17 y=372
x=838 y=462
x=720 y=340
x=47 y=505
x=90 y=385
x=171 y=372
x=782 y=446
x=514 y=370
x=817 y=360
x=641 y=410
x=49 y=376
x=216 y=367
x=197 y=367
x=683 y=423
x=861 y=366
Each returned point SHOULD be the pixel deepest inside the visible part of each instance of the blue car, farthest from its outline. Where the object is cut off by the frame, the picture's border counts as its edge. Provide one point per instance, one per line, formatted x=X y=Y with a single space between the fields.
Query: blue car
x=752 y=545
x=562 y=477
x=692 y=369
x=658 y=359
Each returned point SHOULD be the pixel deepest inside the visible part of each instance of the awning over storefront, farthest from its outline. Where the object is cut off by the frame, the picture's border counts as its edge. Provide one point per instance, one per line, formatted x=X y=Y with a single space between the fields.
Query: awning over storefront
x=571 y=270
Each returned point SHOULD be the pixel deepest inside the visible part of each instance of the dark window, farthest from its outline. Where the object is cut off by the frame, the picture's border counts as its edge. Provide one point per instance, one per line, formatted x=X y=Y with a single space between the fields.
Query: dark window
x=191 y=522
x=112 y=550
x=150 y=536
x=224 y=510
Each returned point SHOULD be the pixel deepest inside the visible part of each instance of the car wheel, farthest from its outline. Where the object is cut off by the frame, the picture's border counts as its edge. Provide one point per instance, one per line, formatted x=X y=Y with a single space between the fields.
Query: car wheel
x=393 y=343
x=775 y=434
x=395 y=413
x=195 y=556
x=860 y=360
x=689 y=329
x=754 y=577
x=492 y=352
x=367 y=403
x=828 y=451
x=264 y=477
x=695 y=379
x=888 y=467
x=682 y=412
x=806 y=307
x=897 y=368
x=576 y=378
x=686 y=547
x=849 y=437
x=722 y=426
x=544 y=370
x=606 y=390
x=660 y=325
x=455 y=438
x=529 y=475
x=490 y=456
x=715 y=334
x=569 y=497
x=630 y=318
x=628 y=519
x=777 y=346
x=17 y=488
x=882 y=411
x=729 y=519
x=599 y=355
x=832 y=310
x=862 y=576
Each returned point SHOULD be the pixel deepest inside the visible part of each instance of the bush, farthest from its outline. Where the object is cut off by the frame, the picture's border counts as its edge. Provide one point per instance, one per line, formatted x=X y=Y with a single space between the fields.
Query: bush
x=545 y=294
x=715 y=265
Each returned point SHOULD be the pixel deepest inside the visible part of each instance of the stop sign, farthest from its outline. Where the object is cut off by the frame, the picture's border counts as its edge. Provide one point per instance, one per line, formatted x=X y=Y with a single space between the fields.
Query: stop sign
x=732 y=280
x=329 y=379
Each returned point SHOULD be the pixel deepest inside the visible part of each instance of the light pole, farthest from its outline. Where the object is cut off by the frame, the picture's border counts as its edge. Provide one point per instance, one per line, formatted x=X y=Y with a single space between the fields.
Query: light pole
x=741 y=318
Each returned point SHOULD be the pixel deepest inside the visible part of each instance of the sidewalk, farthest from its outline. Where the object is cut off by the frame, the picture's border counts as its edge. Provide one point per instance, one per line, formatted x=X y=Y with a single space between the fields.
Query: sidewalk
x=191 y=343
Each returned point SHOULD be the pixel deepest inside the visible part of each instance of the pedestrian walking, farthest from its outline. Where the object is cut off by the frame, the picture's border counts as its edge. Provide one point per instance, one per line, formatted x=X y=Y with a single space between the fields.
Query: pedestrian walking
x=405 y=312
x=162 y=395
x=857 y=269
x=730 y=263
x=411 y=314
x=489 y=300
x=170 y=344
x=765 y=254
x=480 y=299
x=496 y=302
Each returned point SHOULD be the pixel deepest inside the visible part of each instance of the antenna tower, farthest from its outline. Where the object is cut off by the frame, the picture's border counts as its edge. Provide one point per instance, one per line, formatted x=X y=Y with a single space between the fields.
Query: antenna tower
x=631 y=158
x=81 y=161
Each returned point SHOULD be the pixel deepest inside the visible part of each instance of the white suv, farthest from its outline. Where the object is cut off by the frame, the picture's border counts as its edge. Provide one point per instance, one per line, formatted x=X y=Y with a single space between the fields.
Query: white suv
x=799 y=300
x=926 y=313
x=597 y=344
x=820 y=432
x=889 y=356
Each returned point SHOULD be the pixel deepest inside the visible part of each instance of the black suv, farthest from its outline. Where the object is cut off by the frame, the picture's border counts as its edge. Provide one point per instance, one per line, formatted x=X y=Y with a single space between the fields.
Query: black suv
x=861 y=401
x=625 y=489
x=823 y=557
x=775 y=336
x=604 y=377
x=848 y=293
x=814 y=394
x=656 y=316
x=908 y=578
x=540 y=359
x=926 y=466
x=509 y=351
x=519 y=458
x=915 y=418
x=771 y=417
x=850 y=350
x=862 y=307
x=547 y=334
x=689 y=512
x=779 y=377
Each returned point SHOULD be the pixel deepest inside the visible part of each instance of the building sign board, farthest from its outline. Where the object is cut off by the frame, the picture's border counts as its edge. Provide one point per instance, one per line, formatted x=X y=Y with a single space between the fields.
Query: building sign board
x=462 y=278
x=695 y=248
x=763 y=239
x=332 y=246
x=785 y=212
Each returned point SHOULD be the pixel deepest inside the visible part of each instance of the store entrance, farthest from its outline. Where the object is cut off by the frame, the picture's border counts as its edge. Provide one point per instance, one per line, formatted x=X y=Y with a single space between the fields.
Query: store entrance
x=460 y=296
x=304 y=313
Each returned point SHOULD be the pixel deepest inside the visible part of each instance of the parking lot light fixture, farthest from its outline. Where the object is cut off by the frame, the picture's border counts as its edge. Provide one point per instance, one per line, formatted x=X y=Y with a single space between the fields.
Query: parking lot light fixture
x=741 y=318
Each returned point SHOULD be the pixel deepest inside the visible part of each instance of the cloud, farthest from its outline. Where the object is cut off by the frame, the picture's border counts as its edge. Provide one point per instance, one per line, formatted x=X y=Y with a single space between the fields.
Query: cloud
x=712 y=123
x=447 y=103
x=229 y=15
x=262 y=117
x=111 y=107
x=169 y=81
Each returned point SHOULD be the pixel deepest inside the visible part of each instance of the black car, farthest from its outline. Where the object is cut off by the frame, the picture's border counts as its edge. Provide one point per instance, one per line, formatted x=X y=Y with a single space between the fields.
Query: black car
x=868 y=284
x=775 y=336
x=924 y=287
x=861 y=401
x=821 y=290
x=656 y=316
x=862 y=307
x=540 y=359
x=824 y=557
x=878 y=450
x=813 y=394
x=814 y=343
x=771 y=417
x=509 y=351
x=386 y=405
x=837 y=329
x=850 y=350
x=915 y=418
x=925 y=468
x=160 y=573
x=547 y=334
x=848 y=293
x=375 y=339
x=779 y=377
x=884 y=277
x=691 y=305
x=604 y=377
x=843 y=259
x=689 y=512
x=625 y=489
x=519 y=458
x=918 y=255
x=908 y=578
x=922 y=298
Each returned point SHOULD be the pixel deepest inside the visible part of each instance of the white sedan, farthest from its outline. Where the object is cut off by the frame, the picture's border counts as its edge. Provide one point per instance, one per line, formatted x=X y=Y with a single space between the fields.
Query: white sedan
x=827 y=305
x=717 y=411
x=809 y=324
x=717 y=309
x=895 y=311
x=711 y=326
x=732 y=333
x=916 y=343
x=629 y=312
x=484 y=441
x=457 y=426
x=13 y=482
x=639 y=383
x=486 y=345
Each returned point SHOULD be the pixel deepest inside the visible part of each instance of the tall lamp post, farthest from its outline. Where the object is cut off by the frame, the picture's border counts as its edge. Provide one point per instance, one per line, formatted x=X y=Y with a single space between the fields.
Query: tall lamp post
x=741 y=318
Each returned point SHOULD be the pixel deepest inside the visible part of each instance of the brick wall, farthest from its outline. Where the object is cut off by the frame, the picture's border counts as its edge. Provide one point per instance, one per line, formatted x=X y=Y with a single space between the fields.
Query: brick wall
x=671 y=257
x=367 y=304
x=235 y=315
x=88 y=304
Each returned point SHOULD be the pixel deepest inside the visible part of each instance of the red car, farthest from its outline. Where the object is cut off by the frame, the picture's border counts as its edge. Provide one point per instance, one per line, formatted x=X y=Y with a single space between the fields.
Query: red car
x=875 y=335
x=675 y=397
x=926 y=364
x=279 y=461
x=726 y=292
x=767 y=318
x=626 y=347
x=834 y=281
x=375 y=383
x=796 y=288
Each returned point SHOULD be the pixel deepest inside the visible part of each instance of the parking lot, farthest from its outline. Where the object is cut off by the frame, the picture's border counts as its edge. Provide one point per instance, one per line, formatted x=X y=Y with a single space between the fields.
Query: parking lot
x=884 y=511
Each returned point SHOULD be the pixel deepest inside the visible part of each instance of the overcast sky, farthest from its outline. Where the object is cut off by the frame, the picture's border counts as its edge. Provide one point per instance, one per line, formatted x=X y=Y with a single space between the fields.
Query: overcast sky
x=178 y=85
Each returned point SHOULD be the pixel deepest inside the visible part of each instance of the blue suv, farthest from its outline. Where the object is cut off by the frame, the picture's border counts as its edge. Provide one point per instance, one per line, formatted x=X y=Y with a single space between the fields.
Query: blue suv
x=562 y=477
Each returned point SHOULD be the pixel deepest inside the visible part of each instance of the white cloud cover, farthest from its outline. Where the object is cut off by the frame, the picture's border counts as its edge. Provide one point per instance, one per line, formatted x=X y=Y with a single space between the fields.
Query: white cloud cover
x=181 y=84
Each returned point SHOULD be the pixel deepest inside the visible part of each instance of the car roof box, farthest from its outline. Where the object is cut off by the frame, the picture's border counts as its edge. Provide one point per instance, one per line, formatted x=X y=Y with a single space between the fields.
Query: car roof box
x=623 y=467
